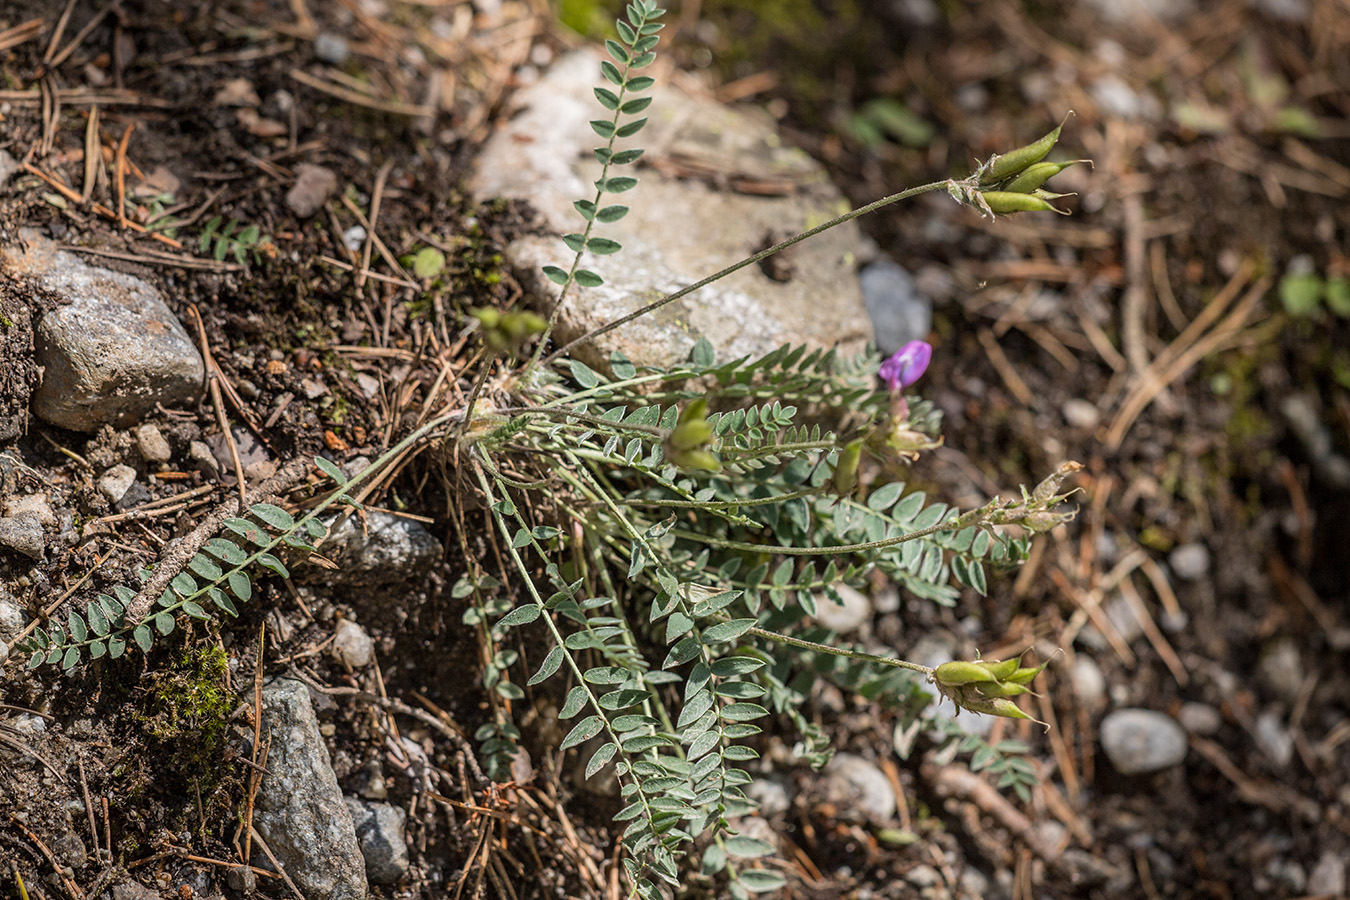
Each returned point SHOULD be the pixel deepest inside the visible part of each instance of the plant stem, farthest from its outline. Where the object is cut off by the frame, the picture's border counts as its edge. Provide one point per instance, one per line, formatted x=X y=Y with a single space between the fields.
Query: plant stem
x=839 y=651
x=749 y=260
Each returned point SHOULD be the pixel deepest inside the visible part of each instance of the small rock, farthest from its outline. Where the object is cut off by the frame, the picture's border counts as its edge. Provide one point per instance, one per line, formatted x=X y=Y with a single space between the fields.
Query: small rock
x=240 y=878
x=1328 y=875
x=1122 y=617
x=111 y=351
x=1089 y=685
x=23 y=534
x=858 y=787
x=1080 y=413
x=351 y=645
x=154 y=448
x=379 y=829
x=1281 y=668
x=12 y=617
x=354 y=237
x=1200 y=718
x=37 y=504
x=202 y=459
x=923 y=876
x=771 y=794
x=313 y=186
x=8 y=166
x=899 y=313
x=300 y=811
x=134 y=890
x=841 y=618
x=1142 y=740
x=1189 y=562
x=1116 y=98
x=1274 y=739
x=372 y=783
x=331 y=48
x=388 y=550
x=116 y=481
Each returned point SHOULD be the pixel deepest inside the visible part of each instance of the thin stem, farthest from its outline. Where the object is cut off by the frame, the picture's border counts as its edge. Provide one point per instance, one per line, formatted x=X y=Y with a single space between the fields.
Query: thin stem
x=970 y=518
x=580 y=417
x=839 y=651
x=749 y=260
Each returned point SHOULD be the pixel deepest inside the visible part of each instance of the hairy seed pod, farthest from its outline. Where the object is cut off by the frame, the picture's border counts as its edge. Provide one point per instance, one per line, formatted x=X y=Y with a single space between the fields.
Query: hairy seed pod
x=1000 y=669
x=1034 y=176
x=846 y=469
x=959 y=672
x=1005 y=203
x=995 y=706
x=1024 y=676
x=999 y=689
x=1016 y=161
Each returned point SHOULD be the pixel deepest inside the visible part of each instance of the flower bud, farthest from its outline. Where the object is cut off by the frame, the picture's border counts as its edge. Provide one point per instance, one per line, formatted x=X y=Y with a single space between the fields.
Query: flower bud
x=686 y=443
x=508 y=332
x=1016 y=161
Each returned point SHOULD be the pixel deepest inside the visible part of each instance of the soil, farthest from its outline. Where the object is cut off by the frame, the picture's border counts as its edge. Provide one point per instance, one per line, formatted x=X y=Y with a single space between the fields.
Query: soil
x=1147 y=336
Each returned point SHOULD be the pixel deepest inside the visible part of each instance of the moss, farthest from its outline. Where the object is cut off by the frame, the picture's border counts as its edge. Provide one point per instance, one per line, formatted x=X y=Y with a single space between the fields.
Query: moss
x=184 y=711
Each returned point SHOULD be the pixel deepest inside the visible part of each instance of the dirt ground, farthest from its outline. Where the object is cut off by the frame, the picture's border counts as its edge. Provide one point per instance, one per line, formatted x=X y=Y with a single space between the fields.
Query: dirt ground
x=1155 y=335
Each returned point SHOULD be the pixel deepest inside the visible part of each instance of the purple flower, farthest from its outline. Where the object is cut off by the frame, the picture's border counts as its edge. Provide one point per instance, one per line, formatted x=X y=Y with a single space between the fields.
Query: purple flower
x=905 y=366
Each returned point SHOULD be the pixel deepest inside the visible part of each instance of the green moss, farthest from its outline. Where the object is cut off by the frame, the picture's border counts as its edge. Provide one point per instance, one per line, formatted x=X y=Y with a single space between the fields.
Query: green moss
x=184 y=711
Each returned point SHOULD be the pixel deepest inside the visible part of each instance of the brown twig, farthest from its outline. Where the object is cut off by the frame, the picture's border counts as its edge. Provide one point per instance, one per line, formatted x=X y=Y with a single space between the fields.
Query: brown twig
x=213 y=376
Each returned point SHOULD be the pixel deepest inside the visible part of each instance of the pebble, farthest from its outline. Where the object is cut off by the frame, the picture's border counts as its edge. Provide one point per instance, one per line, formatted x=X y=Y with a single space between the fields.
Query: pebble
x=858 y=787
x=351 y=645
x=771 y=794
x=23 y=534
x=12 y=617
x=8 y=165
x=1200 y=718
x=1080 y=413
x=313 y=186
x=841 y=618
x=202 y=459
x=152 y=445
x=1089 y=685
x=1328 y=875
x=379 y=829
x=1189 y=562
x=372 y=783
x=300 y=811
x=899 y=313
x=354 y=237
x=388 y=550
x=1273 y=738
x=110 y=348
x=36 y=504
x=1281 y=668
x=115 y=482
x=1138 y=741
x=331 y=48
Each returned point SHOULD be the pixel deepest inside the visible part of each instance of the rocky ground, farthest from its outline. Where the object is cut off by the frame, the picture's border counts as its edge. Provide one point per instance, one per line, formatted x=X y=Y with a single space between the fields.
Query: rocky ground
x=302 y=201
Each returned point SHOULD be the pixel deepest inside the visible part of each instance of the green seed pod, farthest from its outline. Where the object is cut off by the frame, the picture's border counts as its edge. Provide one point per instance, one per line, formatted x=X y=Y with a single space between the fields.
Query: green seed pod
x=694 y=459
x=846 y=469
x=995 y=706
x=1006 y=203
x=1000 y=669
x=1036 y=175
x=1016 y=161
x=999 y=689
x=959 y=673
x=1024 y=676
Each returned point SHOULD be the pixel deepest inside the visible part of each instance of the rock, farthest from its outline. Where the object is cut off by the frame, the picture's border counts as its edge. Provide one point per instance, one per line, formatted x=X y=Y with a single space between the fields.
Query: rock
x=1122 y=618
x=1281 y=668
x=313 y=186
x=111 y=351
x=379 y=829
x=20 y=374
x=351 y=645
x=721 y=186
x=1200 y=718
x=134 y=890
x=1080 y=413
x=202 y=459
x=858 y=787
x=900 y=313
x=37 y=504
x=389 y=550
x=1273 y=738
x=8 y=166
x=23 y=534
x=1189 y=562
x=371 y=783
x=12 y=617
x=1328 y=875
x=1089 y=685
x=1123 y=11
x=1138 y=741
x=300 y=811
x=331 y=48
x=853 y=613
x=115 y=482
x=152 y=445
x=771 y=794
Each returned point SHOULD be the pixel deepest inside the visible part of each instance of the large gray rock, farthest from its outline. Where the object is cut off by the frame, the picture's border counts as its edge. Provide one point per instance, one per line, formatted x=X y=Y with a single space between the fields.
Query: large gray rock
x=376 y=549
x=716 y=185
x=110 y=347
x=300 y=811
